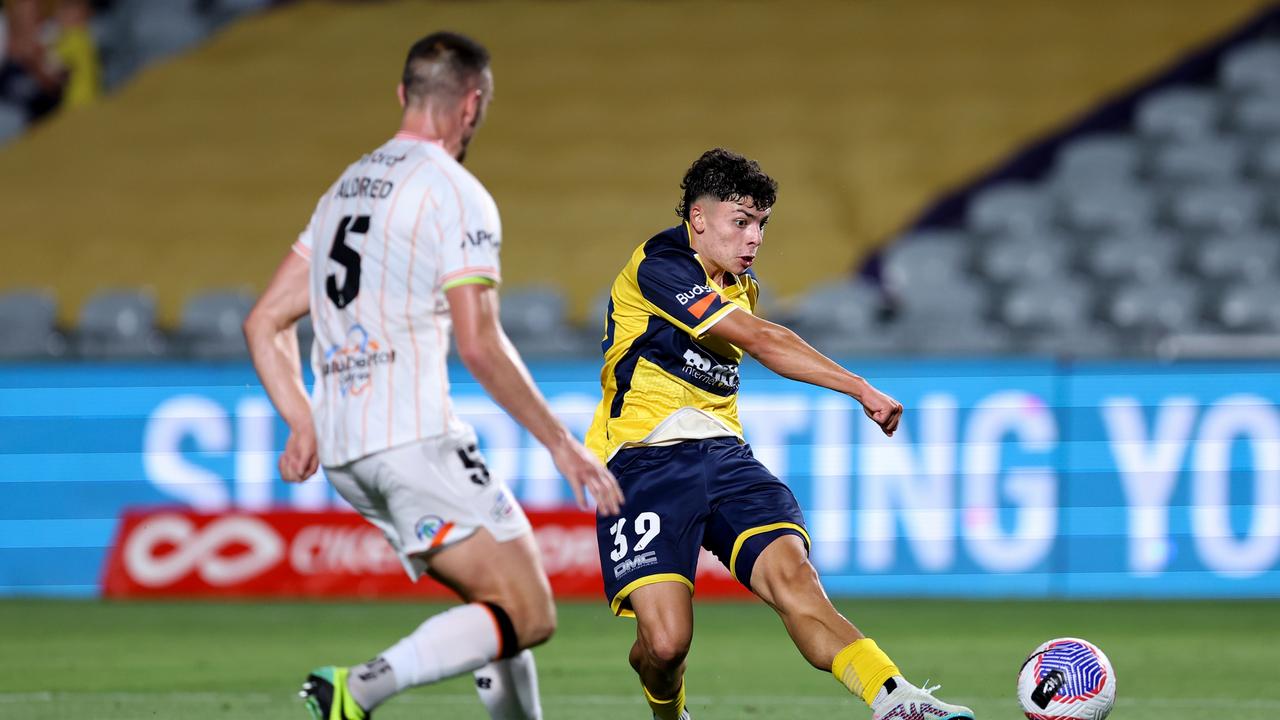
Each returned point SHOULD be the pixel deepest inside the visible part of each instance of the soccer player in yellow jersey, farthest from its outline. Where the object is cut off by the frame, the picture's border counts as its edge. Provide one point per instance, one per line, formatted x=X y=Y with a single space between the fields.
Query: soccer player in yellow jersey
x=681 y=314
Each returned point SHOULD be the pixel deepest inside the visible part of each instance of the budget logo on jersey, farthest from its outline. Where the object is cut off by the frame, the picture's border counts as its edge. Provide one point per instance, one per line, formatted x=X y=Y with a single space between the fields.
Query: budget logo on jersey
x=699 y=308
x=354 y=360
x=428 y=527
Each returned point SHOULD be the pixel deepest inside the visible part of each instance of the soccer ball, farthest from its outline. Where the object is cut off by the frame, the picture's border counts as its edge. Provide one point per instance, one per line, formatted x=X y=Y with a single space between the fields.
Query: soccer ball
x=1067 y=678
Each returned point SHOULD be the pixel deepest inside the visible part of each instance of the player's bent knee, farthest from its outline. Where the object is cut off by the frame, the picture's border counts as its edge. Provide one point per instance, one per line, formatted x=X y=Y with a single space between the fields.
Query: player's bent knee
x=665 y=649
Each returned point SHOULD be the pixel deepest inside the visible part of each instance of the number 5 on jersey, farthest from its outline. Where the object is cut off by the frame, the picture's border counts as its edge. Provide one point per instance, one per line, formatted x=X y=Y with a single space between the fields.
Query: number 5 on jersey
x=348 y=258
x=648 y=525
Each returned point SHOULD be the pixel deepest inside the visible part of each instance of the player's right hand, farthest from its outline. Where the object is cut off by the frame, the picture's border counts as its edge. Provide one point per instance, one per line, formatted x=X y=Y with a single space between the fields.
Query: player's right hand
x=882 y=409
x=299 y=460
x=582 y=469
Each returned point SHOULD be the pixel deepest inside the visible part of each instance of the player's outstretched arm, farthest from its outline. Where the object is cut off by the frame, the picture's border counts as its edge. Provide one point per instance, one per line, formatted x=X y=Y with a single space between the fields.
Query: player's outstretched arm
x=495 y=363
x=273 y=347
x=786 y=353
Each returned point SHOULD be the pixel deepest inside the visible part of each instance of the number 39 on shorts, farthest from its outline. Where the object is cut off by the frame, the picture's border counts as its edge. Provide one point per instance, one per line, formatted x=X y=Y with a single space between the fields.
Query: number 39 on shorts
x=648 y=525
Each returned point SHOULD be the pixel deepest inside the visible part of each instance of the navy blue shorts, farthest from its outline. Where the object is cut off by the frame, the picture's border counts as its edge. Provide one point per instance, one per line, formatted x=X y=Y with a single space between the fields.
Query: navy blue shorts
x=679 y=498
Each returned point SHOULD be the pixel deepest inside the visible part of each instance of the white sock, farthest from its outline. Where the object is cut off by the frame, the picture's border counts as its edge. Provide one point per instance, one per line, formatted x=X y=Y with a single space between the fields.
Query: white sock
x=451 y=643
x=509 y=688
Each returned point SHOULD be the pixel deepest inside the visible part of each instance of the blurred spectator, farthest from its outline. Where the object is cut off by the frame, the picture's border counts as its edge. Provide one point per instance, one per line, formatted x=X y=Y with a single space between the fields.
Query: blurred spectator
x=29 y=76
x=78 y=54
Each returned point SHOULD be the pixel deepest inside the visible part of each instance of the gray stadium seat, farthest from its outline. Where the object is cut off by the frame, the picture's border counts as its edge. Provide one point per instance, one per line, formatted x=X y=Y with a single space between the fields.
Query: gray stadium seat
x=927 y=258
x=209 y=326
x=1226 y=209
x=1145 y=257
x=1084 y=341
x=1207 y=160
x=1252 y=68
x=1037 y=306
x=1009 y=210
x=160 y=28
x=29 y=319
x=1095 y=209
x=1167 y=305
x=1264 y=166
x=951 y=336
x=1178 y=113
x=1014 y=259
x=842 y=307
x=1253 y=307
x=13 y=122
x=966 y=301
x=1257 y=116
x=306 y=337
x=1247 y=258
x=1105 y=158
x=119 y=324
x=534 y=318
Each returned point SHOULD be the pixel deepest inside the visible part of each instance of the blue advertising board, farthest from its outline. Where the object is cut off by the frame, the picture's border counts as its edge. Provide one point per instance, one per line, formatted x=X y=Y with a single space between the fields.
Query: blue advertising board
x=1006 y=478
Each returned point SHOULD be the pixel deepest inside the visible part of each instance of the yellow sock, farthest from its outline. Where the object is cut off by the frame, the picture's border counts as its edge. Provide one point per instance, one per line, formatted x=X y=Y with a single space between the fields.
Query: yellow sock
x=863 y=667
x=669 y=709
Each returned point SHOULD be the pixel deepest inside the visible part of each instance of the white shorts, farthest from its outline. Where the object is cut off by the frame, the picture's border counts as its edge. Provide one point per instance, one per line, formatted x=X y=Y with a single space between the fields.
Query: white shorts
x=428 y=495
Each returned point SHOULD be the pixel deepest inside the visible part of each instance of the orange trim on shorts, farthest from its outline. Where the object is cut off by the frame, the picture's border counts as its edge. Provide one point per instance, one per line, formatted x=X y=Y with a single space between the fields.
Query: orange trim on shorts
x=439 y=538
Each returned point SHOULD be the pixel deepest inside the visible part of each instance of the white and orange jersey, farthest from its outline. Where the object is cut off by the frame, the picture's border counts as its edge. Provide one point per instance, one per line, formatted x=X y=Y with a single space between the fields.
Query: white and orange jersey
x=400 y=226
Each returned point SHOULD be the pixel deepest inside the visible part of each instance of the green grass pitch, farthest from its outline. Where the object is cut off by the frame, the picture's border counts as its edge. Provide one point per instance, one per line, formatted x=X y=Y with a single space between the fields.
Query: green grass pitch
x=196 y=660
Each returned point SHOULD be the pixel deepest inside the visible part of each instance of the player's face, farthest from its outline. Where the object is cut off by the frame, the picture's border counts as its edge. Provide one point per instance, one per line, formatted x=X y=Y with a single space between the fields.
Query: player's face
x=731 y=233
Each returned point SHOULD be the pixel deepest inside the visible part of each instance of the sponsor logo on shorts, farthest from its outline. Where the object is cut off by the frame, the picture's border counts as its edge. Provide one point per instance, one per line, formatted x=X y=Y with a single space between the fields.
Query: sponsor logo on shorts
x=353 y=362
x=639 y=561
x=701 y=368
x=428 y=527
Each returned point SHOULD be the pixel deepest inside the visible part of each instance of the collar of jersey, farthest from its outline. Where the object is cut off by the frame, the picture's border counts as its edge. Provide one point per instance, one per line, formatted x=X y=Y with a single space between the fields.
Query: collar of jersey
x=406 y=135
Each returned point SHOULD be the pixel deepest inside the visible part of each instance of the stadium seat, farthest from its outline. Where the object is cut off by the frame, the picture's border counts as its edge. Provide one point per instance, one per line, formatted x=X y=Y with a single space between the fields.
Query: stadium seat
x=1105 y=158
x=209 y=327
x=1038 y=306
x=1207 y=160
x=1248 y=258
x=160 y=28
x=534 y=318
x=1084 y=341
x=1252 y=307
x=1015 y=259
x=927 y=258
x=29 y=321
x=1264 y=165
x=1155 y=307
x=1009 y=210
x=306 y=337
x=1254 y=67
x=119 y=324
x=842 y=307
x=13 y=121
x=1145 y=257
x=951 y=336
x=1093 y=209
x=966 y=301
x=1257 y=116
x=1224 y=209
x=1178 y=113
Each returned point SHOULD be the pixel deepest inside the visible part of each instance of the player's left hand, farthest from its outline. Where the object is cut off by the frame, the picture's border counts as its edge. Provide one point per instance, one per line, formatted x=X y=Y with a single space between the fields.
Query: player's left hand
x=299 y=460
x=882 y=409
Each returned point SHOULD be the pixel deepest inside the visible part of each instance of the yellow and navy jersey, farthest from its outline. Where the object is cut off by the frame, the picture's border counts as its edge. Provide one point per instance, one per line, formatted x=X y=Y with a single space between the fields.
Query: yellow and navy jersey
x=658 y=357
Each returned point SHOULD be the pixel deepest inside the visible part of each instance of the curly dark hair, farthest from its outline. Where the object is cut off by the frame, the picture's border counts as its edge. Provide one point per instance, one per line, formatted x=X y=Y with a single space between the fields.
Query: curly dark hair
x=727 y=176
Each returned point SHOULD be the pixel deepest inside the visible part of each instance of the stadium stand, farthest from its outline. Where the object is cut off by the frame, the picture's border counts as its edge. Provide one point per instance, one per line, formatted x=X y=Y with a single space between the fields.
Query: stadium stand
x=1131 y=194
x=28 y=317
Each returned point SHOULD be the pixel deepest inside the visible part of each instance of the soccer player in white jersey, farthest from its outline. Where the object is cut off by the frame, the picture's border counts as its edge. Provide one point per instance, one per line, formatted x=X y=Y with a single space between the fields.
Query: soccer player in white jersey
x=400 y=249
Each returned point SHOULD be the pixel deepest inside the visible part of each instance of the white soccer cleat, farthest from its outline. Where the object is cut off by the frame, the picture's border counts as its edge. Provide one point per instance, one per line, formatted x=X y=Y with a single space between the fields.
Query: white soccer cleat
x=908 y=702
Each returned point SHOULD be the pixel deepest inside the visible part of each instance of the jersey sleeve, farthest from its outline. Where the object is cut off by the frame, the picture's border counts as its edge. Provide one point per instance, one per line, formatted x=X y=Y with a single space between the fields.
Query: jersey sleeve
x=306 y=240
x=674 y=285
x=470 y=239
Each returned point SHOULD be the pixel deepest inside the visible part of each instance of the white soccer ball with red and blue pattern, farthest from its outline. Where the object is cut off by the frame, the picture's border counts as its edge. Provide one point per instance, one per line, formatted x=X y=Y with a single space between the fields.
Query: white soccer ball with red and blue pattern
x=1067 y=678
